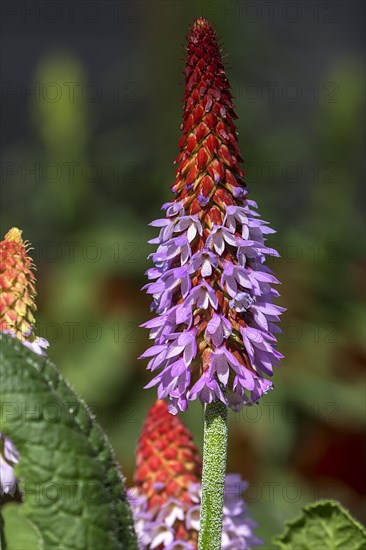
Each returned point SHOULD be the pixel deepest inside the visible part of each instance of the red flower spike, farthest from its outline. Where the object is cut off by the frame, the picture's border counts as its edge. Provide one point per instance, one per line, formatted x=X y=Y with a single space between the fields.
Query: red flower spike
x=208 y=116
x=165 y=455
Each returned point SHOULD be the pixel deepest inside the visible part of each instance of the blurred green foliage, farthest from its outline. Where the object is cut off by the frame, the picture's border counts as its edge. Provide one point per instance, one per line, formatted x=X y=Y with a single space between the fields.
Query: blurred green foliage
x=89 y=228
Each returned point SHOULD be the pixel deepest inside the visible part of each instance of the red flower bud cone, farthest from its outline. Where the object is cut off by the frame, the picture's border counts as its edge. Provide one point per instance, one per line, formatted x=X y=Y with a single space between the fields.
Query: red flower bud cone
x=167 y=460
x=209 y=153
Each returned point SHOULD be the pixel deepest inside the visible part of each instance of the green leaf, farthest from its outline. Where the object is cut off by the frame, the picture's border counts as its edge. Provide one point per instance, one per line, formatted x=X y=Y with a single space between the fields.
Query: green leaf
x=326 y=525
x=21 y=534
x=73 y=492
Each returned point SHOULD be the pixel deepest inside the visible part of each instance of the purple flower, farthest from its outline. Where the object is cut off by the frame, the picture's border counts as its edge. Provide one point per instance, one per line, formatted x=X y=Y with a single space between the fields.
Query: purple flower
x=159 y=526
x=236 y=215
x=35 y=343
x=233 y=277
x=204 y=260
x=9 y=456
x=218 y=329
x=219 y=237
x=242 y=301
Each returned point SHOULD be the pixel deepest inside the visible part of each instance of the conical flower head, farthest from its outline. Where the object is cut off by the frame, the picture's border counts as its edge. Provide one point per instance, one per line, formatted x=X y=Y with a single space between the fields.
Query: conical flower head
x=17 y=285
x=167 y=493
x=167 y=460
x=214 y=334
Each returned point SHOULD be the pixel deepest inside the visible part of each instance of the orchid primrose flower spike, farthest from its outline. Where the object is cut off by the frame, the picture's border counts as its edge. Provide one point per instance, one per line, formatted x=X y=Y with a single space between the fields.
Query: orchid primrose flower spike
x=215 y=325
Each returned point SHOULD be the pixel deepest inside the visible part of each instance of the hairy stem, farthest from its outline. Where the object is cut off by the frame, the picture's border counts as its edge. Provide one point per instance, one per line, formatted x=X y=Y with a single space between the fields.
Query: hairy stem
x=213 y=476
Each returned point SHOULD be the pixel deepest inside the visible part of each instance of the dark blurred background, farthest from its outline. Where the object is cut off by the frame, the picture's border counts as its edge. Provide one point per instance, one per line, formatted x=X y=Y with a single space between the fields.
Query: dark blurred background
x=91 y=108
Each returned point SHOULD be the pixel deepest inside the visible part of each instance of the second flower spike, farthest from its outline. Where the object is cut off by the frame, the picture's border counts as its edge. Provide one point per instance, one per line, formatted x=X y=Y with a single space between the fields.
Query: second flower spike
x=166 y=497
x=214 y=330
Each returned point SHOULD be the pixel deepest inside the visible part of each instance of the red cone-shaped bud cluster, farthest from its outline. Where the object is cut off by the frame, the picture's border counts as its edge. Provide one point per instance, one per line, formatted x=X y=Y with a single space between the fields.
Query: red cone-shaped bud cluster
x=209 y=153
x=167 y=460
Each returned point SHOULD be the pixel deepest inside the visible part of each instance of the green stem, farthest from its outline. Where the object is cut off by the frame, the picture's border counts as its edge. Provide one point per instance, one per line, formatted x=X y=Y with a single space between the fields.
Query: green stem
x=213 y=476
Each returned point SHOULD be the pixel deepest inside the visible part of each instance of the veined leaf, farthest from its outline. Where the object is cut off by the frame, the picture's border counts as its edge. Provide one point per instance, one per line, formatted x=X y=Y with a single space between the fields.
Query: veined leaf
x=323 y=525
x=72 y=490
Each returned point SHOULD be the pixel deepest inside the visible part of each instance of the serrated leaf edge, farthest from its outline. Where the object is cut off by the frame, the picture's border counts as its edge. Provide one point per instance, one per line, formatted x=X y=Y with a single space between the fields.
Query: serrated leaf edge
x=306 y=511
